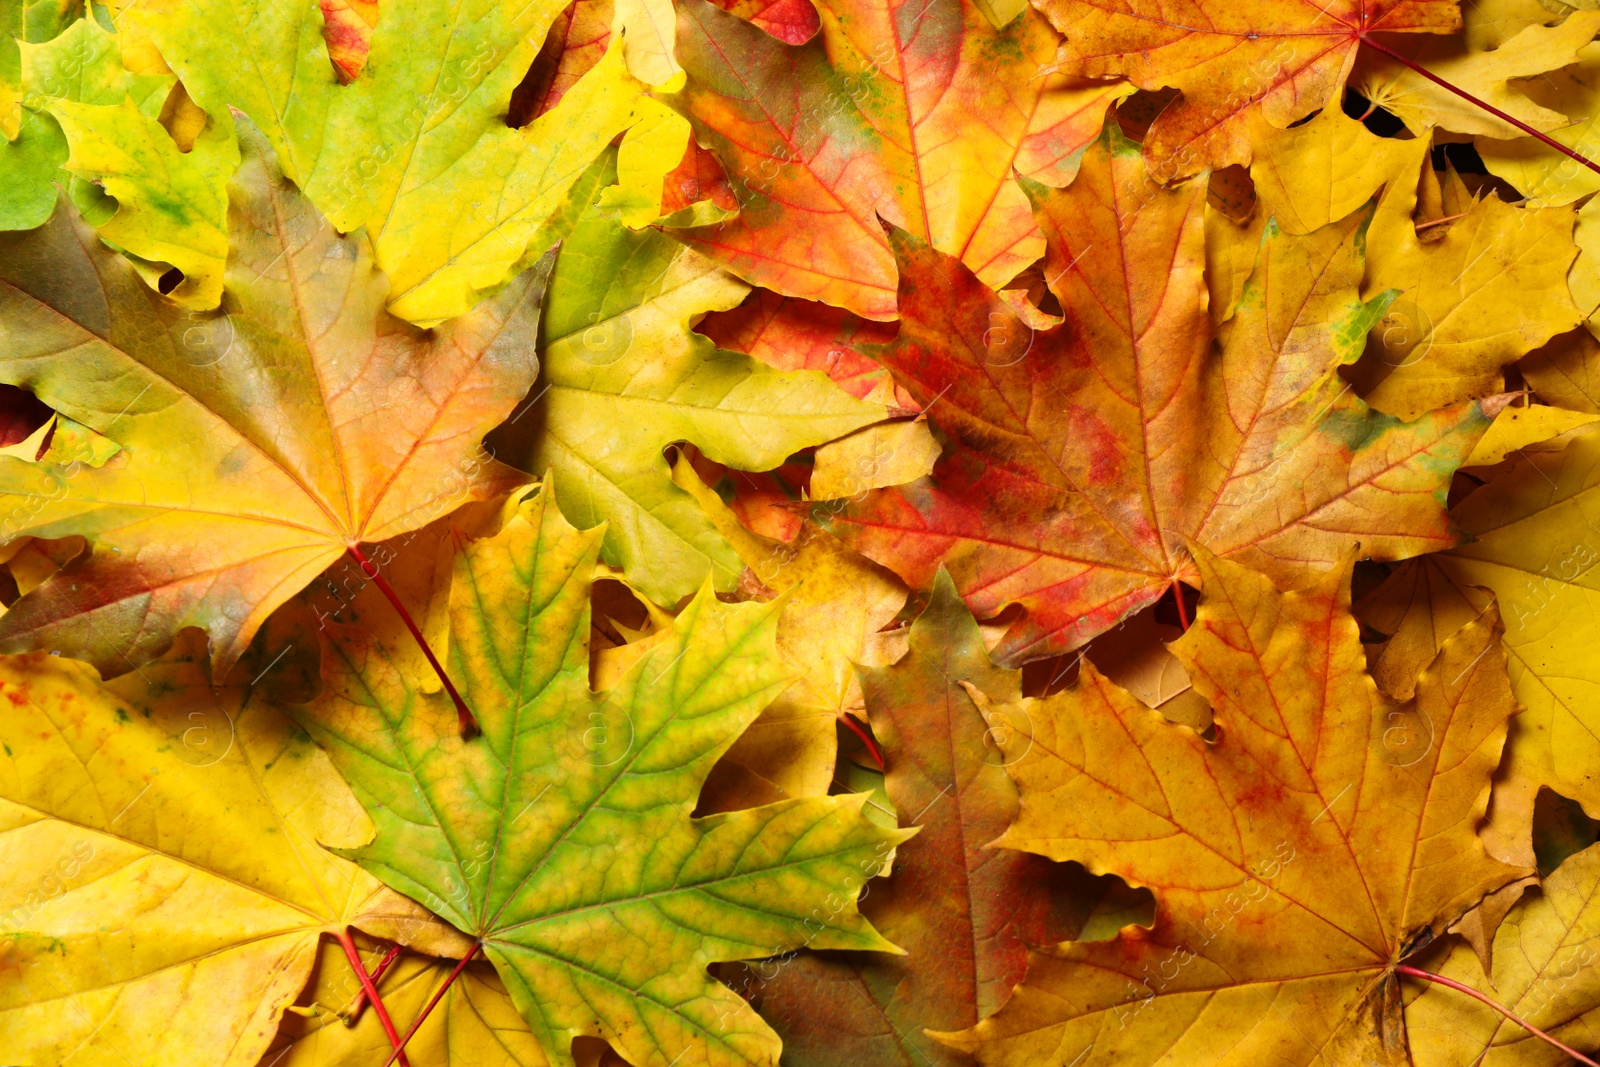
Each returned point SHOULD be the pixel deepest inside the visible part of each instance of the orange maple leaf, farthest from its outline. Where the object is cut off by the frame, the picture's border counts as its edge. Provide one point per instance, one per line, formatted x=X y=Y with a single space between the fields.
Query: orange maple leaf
x=1282 y=59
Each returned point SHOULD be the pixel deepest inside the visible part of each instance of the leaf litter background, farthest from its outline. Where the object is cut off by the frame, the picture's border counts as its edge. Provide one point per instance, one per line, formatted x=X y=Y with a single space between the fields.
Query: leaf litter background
x=834 y=533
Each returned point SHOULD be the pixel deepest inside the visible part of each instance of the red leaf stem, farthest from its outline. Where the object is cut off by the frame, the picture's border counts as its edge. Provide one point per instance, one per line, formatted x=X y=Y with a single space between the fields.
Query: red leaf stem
x=461 y=965
x=866 y=739
x=377 y=972
x=1490 y=108
x=351 y=954
x=1429 y=976
x=469 y=725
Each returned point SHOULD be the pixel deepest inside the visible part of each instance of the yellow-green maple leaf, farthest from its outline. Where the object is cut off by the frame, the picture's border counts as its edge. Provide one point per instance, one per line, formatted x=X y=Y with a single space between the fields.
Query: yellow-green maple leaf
x=170 y=206
x=32 y=149
x=109 y=117
x=416 y=149
x=562 y=839
x=623 y=375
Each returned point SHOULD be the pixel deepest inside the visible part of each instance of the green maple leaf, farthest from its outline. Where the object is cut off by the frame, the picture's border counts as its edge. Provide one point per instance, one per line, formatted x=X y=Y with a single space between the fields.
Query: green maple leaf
x=416 y=149
x=623 y=375
x=563 y=838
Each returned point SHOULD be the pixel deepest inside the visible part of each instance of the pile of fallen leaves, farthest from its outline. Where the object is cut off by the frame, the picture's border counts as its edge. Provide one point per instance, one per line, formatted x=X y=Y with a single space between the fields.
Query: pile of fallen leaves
x=904 y=534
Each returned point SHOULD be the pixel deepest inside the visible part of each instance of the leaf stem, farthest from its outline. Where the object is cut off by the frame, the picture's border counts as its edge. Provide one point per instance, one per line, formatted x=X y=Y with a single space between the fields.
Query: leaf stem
x=1416 y=972
x=469 y=725
x=461 y=965
x=377 y=972
x=1183 y=610
x=1439 y=222
x=1490 y=108
x=866 y=738
x=349 y=945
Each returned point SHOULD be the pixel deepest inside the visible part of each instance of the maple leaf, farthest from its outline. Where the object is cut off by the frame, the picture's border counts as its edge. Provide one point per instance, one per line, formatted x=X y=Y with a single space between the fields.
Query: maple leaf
x=1535 y=546
x=416 y=149
x=258 y=442
x=1448 y=334
x=918 y=113
x=157 y=197
x=1321 y=171
x=1323 y=838
x=624 y=377
x=1234 y=63
x=1081 y=460
x=1543 y=972
x=164 y=890
x=951 y=899
x=1419 y=607
x=1537 y=170
x=836 y=608
x=562 y=840
x=16 y=26
x=170 y=203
